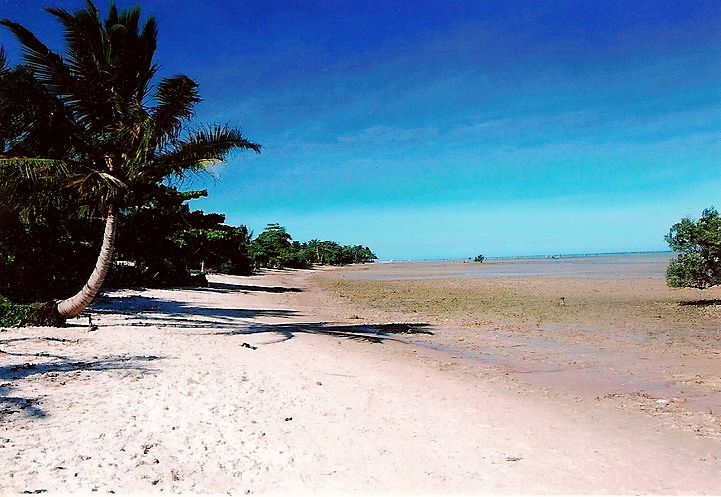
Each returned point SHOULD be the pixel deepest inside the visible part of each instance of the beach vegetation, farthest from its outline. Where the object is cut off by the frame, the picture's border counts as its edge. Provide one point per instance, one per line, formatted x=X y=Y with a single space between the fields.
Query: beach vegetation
x=163 y=242
x=12 y=314
x=698 y=264
x=275 y=248
x=90 y=125
x=332 y=253
x=479 y=258
x=272 y=248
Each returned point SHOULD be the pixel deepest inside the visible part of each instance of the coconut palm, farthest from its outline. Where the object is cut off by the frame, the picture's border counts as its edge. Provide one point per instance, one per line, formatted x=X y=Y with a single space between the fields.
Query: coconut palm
x=91 y=123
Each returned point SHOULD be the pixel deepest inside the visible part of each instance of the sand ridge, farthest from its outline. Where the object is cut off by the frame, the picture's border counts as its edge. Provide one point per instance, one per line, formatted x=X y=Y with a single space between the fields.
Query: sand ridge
x=269 y=384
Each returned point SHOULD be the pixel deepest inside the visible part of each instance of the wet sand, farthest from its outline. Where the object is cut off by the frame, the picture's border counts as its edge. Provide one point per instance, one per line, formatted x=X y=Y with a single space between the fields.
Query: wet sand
x=295 y=381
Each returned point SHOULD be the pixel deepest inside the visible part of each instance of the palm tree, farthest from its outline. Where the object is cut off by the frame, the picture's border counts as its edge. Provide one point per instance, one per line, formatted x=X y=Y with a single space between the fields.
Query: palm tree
x=90 y=123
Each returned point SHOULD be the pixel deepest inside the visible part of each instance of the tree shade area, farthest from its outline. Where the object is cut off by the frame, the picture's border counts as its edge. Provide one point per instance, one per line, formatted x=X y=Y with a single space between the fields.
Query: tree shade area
x=161 y=242
x=698 y=264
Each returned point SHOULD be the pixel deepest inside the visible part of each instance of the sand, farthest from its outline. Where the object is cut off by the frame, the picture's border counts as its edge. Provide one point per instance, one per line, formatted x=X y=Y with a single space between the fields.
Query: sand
x=277 y=383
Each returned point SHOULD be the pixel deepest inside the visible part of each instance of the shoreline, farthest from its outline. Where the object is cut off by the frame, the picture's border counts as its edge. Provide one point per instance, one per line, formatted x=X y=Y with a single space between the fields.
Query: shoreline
x=270 y=383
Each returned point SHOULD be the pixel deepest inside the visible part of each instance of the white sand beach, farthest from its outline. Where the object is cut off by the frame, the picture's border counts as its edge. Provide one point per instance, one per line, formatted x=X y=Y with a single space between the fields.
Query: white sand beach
x=268 y=384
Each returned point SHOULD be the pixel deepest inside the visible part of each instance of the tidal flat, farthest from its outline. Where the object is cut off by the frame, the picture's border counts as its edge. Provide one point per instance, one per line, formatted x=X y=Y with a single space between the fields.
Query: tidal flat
x=602 y=328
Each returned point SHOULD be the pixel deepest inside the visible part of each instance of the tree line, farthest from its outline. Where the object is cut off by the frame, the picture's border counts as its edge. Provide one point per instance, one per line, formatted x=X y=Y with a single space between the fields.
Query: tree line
x=161 y=243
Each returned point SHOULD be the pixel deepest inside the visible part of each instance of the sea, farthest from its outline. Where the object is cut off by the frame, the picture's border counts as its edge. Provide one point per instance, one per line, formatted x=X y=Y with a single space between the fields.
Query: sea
x=643 y=265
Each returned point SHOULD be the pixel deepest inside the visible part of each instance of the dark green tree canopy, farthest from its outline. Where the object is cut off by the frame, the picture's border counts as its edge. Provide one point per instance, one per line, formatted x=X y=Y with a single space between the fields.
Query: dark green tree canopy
x=699 y=242
x=274 y=247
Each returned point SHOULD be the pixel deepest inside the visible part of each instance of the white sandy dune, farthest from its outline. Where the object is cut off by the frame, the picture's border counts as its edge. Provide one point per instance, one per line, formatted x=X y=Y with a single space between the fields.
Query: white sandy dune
x=244 y=388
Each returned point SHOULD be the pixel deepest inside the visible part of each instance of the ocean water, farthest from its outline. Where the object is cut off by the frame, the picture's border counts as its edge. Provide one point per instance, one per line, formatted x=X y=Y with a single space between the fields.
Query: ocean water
x=604 y=266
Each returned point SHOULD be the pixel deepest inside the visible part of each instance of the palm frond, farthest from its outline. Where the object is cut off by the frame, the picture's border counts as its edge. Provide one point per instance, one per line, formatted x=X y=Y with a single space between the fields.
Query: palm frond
x=112 y=180
x=25 y=182
x=111 y=61
x=206 y=146
x=3 y=61
x=88 y=61
x=88 y=180
x=34 y=170
x=175 y=98
x=47 y=65
x=34 y=121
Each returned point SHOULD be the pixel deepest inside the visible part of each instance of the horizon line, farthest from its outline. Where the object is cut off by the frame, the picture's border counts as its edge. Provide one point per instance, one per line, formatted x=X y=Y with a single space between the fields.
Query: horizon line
x=536 y=256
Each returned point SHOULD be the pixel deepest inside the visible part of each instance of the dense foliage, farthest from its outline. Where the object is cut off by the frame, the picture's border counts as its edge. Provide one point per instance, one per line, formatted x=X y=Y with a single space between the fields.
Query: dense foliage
x=45 y=253
x=274 y=247
x=162 y=240
x=699 y=242
x=14 y=314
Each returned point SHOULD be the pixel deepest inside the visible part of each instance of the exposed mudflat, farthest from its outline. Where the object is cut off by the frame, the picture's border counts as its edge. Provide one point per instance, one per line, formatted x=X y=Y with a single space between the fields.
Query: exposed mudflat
x=615 y=334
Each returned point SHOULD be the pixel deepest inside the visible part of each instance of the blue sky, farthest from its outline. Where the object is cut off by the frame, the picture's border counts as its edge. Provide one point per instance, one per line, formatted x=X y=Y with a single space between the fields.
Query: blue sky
x=443 y=129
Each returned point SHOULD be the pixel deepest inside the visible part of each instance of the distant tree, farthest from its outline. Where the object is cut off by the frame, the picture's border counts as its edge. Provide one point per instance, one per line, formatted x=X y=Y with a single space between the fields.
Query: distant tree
x=479 y=258
x=699 y=242
x=272 y=248
x=220 y=248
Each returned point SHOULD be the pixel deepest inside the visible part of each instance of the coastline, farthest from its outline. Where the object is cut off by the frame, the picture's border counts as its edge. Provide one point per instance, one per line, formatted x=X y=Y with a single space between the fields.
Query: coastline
x=273 y=383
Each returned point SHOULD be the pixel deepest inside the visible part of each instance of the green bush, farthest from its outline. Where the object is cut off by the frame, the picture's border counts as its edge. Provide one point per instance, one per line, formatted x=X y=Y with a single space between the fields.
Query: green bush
x=698 y=264
x=15 y=314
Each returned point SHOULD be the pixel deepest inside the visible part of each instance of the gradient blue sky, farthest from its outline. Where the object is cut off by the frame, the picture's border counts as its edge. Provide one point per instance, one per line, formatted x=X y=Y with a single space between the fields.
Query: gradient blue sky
x=444 y=129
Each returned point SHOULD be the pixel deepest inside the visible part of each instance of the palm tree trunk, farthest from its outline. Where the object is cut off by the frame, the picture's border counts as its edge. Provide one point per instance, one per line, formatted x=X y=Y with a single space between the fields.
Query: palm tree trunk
x=71 y=307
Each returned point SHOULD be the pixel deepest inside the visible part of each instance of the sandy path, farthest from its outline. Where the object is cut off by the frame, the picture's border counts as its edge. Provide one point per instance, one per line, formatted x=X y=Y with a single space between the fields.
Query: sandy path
x=165 y=397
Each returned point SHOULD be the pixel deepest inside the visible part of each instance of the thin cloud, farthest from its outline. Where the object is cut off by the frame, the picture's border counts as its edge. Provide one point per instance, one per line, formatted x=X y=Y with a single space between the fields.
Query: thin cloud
x=377 y=135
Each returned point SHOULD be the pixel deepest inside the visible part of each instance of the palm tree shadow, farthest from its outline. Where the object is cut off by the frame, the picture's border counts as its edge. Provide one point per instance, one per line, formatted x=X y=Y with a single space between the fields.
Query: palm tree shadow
x=235 y=287
x=154 y=311
x=370 y=333
x=7 y=341
x=28 y=406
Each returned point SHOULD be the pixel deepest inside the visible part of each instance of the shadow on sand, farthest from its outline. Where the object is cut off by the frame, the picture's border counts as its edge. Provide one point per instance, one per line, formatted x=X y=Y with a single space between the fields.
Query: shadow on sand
x=7 y=341
x=153 y=311
x=234 y=287
x=28 y=406
x=372 y=333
